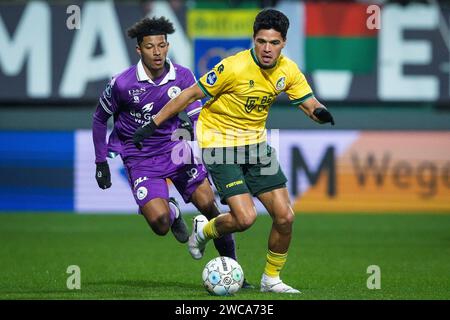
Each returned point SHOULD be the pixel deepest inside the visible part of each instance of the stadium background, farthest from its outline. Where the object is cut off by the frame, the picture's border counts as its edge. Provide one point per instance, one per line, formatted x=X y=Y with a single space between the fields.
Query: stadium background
x=386 y=79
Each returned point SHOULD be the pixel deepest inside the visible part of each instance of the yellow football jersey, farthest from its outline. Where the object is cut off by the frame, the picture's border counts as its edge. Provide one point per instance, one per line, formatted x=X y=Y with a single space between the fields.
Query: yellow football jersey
x=241 y=93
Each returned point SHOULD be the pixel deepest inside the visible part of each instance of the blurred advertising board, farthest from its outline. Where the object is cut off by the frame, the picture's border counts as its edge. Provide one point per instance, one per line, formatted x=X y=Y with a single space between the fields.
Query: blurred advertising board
x=350 y=52
x=217 y=34
x=367 y=171
x=328 y=171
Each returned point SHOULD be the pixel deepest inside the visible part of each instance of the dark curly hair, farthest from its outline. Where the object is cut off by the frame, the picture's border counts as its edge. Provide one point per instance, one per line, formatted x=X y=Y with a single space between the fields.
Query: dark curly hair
x=150 y=27
x=271 y=19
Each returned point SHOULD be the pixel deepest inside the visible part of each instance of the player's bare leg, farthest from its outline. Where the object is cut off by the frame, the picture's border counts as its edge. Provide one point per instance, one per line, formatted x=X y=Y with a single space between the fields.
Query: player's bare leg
x=278 y=205
x=242 y=215
x=204 y=201
x=162 y=217
x=240 y=218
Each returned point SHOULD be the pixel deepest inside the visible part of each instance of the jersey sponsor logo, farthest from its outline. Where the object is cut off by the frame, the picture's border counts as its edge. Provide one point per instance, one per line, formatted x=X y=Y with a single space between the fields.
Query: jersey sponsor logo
x=148 y=107
x=211 y=78
x=141 y=193
x=143 y=115
x=139 y=181
x=173 y=92
x=281 y=83
x=136 y=99
x=250 y=104
x=136 y=92
x=265 y=102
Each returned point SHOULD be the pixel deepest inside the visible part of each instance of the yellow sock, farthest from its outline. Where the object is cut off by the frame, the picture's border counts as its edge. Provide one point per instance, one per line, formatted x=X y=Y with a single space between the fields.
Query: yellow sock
x=210 y=231
x=274 y=264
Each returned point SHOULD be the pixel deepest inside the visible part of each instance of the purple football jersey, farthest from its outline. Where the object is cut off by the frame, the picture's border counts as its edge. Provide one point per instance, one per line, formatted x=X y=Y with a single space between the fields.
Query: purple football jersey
x=132 y=98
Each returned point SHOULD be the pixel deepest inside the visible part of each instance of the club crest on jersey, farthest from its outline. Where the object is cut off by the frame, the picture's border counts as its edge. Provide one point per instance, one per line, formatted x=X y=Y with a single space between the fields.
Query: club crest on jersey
x=211 y=78
x=173 y=92
x=281 y=83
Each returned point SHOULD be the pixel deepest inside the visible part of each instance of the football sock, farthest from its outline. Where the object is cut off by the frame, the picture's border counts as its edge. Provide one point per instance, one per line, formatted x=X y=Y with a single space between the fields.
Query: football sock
x=172 y=213
x=225 y=246
x=210 y=231
x=274 y=263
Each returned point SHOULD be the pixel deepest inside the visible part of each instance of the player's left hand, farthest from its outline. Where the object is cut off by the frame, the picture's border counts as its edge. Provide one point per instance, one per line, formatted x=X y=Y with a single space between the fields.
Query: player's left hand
x=144 y=132
x=103 y=175
x=323 y=115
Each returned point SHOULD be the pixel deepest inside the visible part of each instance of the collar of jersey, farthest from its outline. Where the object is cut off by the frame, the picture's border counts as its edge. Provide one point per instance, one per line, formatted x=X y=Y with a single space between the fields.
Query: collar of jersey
x=255 y=58
x=142 y=75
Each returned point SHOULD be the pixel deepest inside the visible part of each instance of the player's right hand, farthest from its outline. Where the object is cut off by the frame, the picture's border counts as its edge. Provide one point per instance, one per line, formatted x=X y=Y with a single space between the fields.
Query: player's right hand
x=146 y=131
x=102 y=175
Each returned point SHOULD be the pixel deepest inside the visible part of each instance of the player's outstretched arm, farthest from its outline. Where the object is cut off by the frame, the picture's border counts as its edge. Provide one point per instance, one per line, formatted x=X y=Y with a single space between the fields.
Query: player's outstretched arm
x=99 y=132
x=316 y=111
x=172 y=108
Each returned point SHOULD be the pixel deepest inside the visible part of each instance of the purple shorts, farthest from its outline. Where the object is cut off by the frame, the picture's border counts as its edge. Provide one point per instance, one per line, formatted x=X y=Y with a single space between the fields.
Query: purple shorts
x=147 y=177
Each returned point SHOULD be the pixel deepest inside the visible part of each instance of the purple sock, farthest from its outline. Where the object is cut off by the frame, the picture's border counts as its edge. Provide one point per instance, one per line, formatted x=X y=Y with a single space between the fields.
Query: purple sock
x=225 y=246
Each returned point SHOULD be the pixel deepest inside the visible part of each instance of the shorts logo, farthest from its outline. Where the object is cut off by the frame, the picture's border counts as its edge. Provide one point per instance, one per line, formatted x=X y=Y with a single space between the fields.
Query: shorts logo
x=173 y=92
x=192 y=173
x=211 y=78
x=139 y=181
x=281 y=83
x=141 y=193
x=234 y=183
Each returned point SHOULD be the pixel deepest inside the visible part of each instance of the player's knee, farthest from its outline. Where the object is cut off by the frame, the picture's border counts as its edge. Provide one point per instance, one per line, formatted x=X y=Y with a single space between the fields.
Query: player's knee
x=245 y=221
x=284 y=220
x=160 y=224
x=207 y=207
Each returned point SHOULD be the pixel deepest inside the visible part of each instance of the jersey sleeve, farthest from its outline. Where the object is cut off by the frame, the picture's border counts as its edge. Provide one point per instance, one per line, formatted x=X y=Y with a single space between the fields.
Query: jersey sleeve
x=109 y=99
x=192 y=110
x=108 y=104
x=220 y=79
x=298 y=89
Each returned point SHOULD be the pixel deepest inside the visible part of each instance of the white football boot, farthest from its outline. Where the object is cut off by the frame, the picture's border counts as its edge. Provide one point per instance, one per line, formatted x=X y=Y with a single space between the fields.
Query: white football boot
x=197 y=240
x=269 y=284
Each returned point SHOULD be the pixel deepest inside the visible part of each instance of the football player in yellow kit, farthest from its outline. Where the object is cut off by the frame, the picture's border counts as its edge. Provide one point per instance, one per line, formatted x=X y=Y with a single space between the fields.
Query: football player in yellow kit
x=241 y=89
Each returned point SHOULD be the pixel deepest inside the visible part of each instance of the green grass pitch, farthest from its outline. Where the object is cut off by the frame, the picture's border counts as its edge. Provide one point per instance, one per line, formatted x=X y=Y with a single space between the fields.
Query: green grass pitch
x=120 y=258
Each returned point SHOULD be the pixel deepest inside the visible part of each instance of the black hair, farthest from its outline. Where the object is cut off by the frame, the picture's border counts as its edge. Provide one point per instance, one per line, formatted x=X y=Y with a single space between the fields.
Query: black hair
x=150 y=27
x=271 y=19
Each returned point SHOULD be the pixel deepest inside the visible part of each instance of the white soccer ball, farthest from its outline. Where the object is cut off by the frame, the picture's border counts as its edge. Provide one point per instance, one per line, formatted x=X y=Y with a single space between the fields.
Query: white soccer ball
x=222 y=276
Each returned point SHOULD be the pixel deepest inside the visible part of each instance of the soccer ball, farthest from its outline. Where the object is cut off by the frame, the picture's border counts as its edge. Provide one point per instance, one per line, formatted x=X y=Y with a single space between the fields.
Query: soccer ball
x=222 y=276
